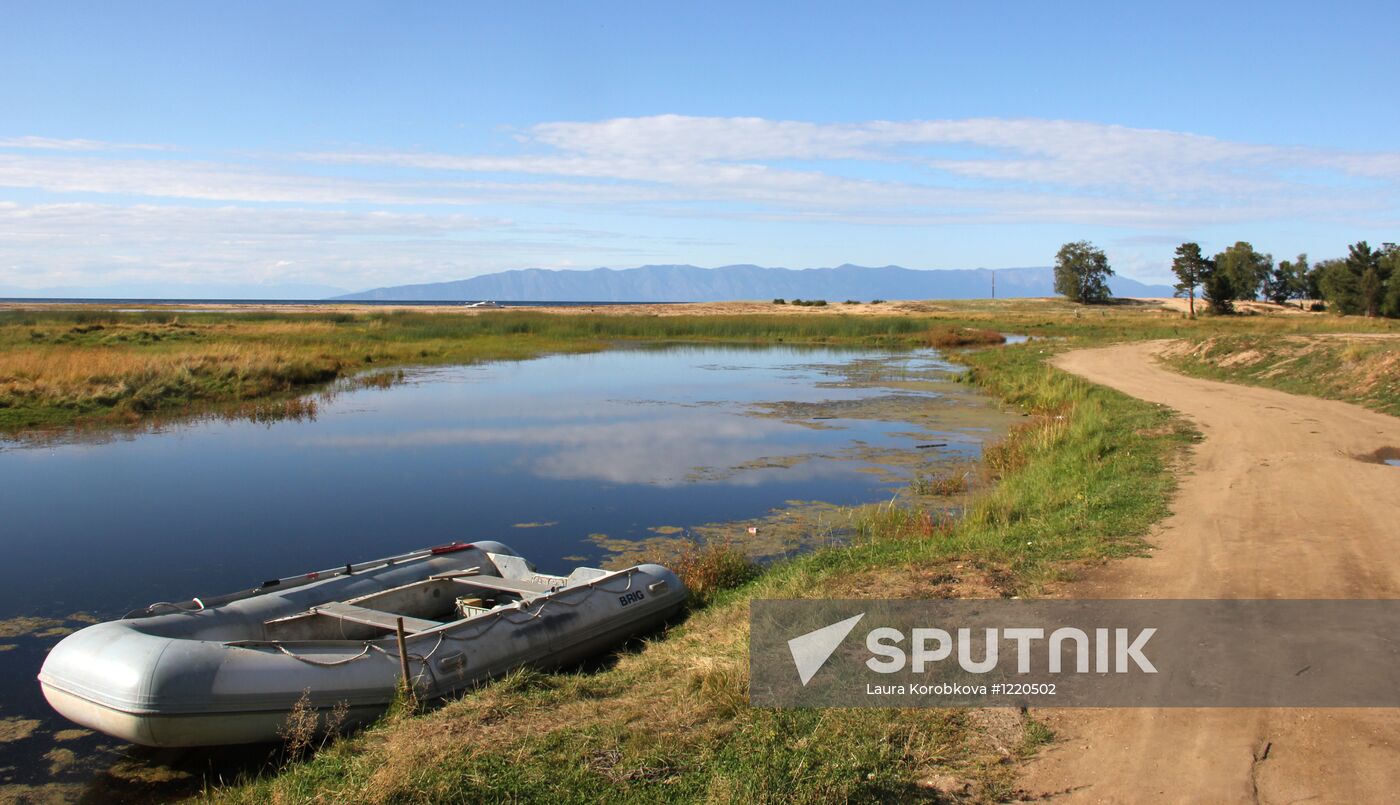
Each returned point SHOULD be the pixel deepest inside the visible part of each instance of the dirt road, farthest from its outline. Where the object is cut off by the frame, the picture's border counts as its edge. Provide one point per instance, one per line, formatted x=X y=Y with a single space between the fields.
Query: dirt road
x=1273 y=505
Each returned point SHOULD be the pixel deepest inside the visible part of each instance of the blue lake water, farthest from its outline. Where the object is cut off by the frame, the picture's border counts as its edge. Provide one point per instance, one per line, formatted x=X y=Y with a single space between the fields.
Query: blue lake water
x=537 y=454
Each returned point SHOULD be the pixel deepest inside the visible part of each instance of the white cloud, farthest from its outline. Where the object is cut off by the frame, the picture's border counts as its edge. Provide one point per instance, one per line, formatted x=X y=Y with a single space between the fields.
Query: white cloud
x=31 y=142
x=662 y=450
x=207 y=181
x=45 y=245
x=366 y=217
x=978 y=170
x=985 y=170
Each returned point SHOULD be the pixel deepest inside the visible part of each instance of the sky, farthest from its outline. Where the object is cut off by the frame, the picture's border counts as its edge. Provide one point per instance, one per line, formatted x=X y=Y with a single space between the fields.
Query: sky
x=195 y=146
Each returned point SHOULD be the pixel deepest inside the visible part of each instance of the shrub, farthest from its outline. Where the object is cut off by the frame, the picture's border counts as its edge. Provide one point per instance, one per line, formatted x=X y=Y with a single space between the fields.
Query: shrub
x=780 y=301
x=940 y=485
x=708 y=568
x=964 y=337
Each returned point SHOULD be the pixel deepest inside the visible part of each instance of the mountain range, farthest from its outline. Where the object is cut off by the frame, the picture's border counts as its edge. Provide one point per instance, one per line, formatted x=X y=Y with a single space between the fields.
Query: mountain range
x=685 y=283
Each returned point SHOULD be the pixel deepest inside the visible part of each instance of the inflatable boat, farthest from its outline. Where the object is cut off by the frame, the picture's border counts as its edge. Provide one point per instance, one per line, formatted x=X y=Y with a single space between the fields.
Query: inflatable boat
x=229 y=670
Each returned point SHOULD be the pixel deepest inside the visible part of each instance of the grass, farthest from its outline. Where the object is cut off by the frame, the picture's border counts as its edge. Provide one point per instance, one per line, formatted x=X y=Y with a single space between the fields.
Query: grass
x=1362 y=371
x=92 y=366
x=957 y=337
x=709 y=568
x=99 y=367
x=1081 y=479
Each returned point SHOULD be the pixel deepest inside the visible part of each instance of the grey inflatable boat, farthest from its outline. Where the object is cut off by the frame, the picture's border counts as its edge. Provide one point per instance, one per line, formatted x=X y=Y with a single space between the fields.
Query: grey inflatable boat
x=230 y=670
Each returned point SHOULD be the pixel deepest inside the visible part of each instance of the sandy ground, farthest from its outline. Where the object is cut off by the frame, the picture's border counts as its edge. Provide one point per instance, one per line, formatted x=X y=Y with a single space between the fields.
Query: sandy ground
x=901 y=308
x=643 y=309
x=1274 y=505
x=1242 y=306
x=892 y=308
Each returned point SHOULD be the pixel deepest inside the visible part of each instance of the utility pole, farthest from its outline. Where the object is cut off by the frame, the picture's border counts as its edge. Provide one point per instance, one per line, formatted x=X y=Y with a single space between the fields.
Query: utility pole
x=994 y=283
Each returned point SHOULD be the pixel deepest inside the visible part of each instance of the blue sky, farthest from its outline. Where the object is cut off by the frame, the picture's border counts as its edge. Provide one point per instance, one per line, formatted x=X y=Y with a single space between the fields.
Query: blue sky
x=362 y=144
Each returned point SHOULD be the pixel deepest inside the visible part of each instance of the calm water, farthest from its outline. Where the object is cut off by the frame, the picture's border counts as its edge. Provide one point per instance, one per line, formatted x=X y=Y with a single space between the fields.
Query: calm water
x=615 y=443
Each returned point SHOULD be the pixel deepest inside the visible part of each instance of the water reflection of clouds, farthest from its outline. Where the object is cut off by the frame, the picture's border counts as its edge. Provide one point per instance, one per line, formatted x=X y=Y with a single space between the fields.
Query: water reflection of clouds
x=662 y=450
x=672 y=461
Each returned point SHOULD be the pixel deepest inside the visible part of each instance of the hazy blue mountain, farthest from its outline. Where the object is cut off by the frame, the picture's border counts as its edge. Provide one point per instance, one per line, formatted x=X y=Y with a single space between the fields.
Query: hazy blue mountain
x=693 y=284
x=173 y=290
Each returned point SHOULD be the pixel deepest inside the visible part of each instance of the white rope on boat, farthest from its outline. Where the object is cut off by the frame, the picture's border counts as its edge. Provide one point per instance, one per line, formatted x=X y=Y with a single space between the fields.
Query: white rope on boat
x=422 y=660
x=324 y=663
x=630 y=573
x=425 y=657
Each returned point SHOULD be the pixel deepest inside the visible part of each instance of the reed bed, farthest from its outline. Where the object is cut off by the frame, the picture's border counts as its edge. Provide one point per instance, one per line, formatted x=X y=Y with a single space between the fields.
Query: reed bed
x=99 y=366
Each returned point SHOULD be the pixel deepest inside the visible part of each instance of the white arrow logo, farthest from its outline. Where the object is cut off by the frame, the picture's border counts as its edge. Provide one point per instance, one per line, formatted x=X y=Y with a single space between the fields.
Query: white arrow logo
x=811 y=651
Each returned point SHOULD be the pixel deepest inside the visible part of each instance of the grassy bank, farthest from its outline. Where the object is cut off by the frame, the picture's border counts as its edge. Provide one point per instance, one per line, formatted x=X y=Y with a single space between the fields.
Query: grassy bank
x=1356 y=369
x=94 y=366
x=1081 y=479
x=89 y=365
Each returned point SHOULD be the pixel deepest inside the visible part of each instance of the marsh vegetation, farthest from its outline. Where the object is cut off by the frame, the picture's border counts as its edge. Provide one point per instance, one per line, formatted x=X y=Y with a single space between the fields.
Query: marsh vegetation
x=93 y=366
x=1081 y=479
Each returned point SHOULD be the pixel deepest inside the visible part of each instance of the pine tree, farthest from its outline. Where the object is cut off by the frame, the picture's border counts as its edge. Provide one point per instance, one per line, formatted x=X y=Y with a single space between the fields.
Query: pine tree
x=1188 y=266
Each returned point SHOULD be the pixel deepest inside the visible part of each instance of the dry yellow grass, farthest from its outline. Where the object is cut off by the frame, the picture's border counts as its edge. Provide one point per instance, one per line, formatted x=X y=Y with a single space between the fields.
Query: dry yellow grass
x=60 y=368
x=64 y=370
x=71 y=365
x=1358 y=367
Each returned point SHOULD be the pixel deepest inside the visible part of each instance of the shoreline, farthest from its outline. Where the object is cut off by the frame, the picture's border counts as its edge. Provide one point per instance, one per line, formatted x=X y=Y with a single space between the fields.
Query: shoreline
x=1020 y=536
x=678 y=703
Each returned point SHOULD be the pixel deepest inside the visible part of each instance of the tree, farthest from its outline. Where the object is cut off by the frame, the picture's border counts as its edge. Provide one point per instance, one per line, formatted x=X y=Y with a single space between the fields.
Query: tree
x=1337 y=284
x=1390 y=270
x=1313 y=275
x=1189 y=267
x=1364 y=265
x=1244 y=268
x=1372 y=292
x=1303 y=283
x=1288 y=281
x=1219 y=289
x=1388 y=261
x=1082 y=272
x=1391 y=306
x=1276 y=284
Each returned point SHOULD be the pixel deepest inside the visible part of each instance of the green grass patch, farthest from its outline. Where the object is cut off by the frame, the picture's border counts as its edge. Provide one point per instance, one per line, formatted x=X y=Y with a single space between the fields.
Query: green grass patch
x=90 y=365
x=1083 y=477
x=63 y=367
x=1360 y=370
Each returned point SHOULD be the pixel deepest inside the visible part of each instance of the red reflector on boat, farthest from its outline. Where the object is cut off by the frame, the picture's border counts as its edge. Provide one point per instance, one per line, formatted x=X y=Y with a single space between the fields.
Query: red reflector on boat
x=451 y=547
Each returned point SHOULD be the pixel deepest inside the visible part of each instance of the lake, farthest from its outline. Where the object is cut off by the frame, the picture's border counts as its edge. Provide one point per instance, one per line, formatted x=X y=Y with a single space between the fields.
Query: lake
x=571 y=459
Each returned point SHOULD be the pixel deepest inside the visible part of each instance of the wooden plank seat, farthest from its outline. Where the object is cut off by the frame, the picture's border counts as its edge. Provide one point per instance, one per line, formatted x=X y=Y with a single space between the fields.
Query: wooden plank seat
x=521 y=587
x=374 y=617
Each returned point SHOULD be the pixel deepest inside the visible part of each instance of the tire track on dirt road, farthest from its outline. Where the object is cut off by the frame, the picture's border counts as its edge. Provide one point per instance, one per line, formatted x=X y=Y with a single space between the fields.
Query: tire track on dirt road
x=1273 y=504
